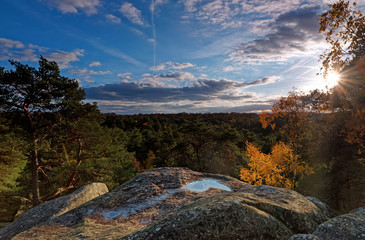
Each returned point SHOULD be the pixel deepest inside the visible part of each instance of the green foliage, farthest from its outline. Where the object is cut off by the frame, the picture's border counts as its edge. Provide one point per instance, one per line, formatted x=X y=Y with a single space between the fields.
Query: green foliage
x=12 y=159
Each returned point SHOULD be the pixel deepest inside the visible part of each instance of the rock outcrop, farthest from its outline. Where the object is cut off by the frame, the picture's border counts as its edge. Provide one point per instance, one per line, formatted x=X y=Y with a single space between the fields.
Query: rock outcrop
x=178 y=203
x=52 y=209
x=349 y=226
x=303 y=237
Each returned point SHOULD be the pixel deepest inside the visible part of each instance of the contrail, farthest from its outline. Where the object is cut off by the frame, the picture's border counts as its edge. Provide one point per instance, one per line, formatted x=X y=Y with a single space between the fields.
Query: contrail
x=152 y=8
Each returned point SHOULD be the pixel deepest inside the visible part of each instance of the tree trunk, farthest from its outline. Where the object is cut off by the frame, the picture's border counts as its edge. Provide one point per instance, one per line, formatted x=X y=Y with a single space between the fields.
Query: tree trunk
x=35 y=173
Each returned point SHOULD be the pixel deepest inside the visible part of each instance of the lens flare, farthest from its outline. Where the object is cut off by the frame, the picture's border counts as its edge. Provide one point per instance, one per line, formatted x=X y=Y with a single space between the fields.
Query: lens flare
x=332 y=79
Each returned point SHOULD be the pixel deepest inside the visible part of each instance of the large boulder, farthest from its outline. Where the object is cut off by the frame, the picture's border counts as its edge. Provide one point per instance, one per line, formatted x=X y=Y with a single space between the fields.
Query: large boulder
x=178 y=203
x=52 y=209
x=349 y=226
x=303 y=237
x=261 y=212
x=327 y=210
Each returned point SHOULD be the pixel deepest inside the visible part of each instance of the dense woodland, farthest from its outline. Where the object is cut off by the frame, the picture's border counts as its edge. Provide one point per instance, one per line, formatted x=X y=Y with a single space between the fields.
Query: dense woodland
x=52 y=141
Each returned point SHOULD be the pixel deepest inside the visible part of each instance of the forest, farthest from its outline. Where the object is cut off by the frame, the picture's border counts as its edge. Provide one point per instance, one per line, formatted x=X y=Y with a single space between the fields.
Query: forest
x=52 y=141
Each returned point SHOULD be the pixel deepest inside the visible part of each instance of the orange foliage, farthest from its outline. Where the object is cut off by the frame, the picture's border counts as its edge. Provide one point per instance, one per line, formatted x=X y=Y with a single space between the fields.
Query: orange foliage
x=280 y=168
x=293 y=113
x=354 y=131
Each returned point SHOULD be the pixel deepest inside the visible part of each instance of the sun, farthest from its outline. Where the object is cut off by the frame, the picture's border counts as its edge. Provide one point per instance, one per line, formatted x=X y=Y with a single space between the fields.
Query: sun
x=331 y=79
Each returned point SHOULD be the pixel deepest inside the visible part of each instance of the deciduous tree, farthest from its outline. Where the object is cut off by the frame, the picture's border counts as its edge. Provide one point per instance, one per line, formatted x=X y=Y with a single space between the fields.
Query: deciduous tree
x=281 y=168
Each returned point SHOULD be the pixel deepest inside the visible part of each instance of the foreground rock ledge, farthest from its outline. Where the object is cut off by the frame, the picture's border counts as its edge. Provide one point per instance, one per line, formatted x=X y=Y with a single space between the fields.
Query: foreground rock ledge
x=52 y=209
x=178 y=203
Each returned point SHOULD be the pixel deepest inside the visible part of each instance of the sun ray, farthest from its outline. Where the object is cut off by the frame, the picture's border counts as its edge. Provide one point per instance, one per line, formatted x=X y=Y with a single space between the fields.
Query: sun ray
x=332 y=79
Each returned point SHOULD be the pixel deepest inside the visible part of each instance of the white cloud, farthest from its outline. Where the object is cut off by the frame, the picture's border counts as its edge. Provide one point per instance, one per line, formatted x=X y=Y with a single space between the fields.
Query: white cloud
x=16 y=50
x=229 y=69
x=171 y=65
x=73 y=6
x=125 y=76
x=291 y=34
x=8 y=43
x=269 y=7
x=113 y=19
x=132 y=13
x=64 y=58
x=94 y=64
x=190 y=5
x=85 y=71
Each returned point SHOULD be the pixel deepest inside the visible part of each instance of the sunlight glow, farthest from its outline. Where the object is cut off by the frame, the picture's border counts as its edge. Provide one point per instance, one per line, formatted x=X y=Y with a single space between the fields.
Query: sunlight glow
x=331 y=79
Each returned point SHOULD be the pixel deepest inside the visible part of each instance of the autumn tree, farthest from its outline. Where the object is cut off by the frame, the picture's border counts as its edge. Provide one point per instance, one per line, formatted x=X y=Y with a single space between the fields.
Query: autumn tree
x=42 y=96
x=344 y=30
x=280 y=168
x=291 y=116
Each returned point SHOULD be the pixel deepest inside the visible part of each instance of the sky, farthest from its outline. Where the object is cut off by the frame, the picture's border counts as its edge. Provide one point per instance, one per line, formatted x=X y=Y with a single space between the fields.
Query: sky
x=166 y=56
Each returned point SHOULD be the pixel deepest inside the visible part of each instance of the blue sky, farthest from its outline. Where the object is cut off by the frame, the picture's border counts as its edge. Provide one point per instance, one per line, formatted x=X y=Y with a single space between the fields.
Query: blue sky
x=165 y=56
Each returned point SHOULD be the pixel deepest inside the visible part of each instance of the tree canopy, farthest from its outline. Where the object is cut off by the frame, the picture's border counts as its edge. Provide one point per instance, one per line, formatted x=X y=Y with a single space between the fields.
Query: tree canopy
x=43 y=96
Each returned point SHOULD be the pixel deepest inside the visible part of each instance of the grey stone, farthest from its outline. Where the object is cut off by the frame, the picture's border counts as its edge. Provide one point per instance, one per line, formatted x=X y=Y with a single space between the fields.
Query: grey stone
x=52 y=209
x=330 y=213
x=349 y=226
x=178 y=203
x=303 y=237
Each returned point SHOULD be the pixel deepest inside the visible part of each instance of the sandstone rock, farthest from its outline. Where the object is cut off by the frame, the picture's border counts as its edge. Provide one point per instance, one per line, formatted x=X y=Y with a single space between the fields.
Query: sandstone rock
x=329 y=212
x=304 y=237
x=224 y=216
x=179 y=203
x=349 y=226
x=263 y=212
x=52 y=209
x=292 y=208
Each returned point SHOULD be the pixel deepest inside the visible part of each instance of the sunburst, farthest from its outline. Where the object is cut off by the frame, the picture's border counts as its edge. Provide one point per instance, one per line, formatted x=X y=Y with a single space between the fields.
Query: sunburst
x=332 y=79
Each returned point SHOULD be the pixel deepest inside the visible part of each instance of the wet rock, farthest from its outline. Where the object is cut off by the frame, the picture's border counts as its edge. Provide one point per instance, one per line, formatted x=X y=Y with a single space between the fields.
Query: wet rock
x=53 y=209
x=178 y=203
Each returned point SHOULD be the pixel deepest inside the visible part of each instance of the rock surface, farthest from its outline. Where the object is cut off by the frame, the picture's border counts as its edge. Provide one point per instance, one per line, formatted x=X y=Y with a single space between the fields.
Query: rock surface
x=329 y=212
x=178 y=203
x=303 y=237
x=349 y=226
x=52 y=209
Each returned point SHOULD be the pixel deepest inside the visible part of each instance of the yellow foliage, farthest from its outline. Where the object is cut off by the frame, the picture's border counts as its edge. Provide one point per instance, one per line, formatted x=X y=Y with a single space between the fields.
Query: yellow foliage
x=280 y=168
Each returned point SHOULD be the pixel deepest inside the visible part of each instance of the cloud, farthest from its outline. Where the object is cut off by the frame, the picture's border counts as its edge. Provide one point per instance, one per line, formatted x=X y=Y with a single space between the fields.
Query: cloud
x=171 y=65
x=269 y=7
x=113 y=19
x=200 y=90
x=16 y=50
x=85 y=71
x=8 y=43
x=64 y=58
x=217 y=12
x=292 y=33
x=94 y=64
x=229 y=69
x=73 y=6
x=176 y=76
x=190 y=5
x=264 y=81
x=146 y=92
x=116 y=53
x=125 y=76
x=132 y=13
